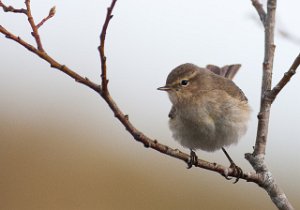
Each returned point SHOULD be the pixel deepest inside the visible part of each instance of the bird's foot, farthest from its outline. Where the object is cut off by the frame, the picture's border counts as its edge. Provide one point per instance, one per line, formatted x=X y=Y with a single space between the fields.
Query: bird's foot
x=193 y=160
x=237 y=171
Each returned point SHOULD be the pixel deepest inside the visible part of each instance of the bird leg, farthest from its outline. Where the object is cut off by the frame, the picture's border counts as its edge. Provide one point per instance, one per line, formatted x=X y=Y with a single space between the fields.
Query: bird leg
x=193 y=160
x=236 y=169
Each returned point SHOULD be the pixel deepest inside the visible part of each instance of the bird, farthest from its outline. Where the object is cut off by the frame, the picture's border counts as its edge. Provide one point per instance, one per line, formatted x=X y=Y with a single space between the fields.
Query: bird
x=209 y=111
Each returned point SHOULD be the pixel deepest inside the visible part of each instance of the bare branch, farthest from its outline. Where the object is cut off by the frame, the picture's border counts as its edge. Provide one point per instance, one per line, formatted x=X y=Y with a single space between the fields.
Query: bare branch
x=260 y=10
x=150 y=143
x=285 y=79
x=50 y=15
x=12 y=9
x=35 y=32
x=102 y=44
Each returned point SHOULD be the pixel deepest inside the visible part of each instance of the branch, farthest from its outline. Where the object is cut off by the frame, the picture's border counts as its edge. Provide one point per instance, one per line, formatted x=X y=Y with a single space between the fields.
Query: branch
x=285 y=79
x=50 y=15
x=102 y=45
x=150 y=143
x=260 y=10
x=268 y=183
x=12 y=9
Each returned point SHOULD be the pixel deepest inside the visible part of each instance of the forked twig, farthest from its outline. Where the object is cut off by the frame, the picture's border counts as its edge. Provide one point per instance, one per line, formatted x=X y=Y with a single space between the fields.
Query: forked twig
x=35 y=32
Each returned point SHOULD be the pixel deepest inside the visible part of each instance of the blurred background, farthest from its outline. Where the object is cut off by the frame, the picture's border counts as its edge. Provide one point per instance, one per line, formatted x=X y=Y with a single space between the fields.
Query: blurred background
x=62 y=148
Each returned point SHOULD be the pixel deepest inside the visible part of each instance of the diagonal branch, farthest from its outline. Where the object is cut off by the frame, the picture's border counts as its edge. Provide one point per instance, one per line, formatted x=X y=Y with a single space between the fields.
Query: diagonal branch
x=260 y=10
x=285 y=79
x=154 y=144
x=12 y=9
x=150 y=143
x=268 y=183
x=50 y=15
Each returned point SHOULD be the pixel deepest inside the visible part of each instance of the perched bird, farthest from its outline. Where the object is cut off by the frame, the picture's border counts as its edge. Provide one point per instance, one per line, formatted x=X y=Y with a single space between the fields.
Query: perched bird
x=209 y=110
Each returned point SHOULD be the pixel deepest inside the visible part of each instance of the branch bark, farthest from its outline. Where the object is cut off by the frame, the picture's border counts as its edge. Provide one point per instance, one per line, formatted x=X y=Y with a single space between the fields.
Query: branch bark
x=285 y=79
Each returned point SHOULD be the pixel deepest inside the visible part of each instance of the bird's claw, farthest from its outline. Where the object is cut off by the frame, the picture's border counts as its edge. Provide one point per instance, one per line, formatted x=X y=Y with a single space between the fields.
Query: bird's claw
x=226 y=177
x=193 y=160
x=236 y=170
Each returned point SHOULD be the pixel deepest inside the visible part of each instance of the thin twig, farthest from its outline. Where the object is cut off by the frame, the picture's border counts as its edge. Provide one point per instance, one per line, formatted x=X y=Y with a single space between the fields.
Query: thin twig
x=285 y=79
x=102 y=45
x=50 y=15
x=12 y=9
x=260 y=10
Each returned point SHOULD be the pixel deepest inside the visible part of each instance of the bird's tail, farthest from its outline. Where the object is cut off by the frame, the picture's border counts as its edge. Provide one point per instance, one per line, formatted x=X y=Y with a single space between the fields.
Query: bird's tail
x=228 y=71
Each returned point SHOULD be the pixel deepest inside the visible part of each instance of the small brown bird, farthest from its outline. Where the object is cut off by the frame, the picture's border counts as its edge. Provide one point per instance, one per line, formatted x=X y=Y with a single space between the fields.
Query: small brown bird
x=209 y=111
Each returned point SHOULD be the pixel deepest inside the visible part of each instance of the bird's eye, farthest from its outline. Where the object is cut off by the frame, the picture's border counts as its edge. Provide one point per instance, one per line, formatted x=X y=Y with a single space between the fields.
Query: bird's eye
x=184 y=82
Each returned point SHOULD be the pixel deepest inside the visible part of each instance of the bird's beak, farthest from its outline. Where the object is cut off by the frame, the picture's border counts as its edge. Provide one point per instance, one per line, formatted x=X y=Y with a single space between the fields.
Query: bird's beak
x=164 y=88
